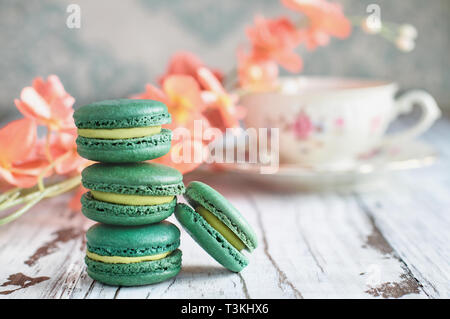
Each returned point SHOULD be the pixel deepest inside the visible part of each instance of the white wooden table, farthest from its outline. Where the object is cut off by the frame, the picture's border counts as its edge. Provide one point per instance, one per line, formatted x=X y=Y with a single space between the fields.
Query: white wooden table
x=389 y=243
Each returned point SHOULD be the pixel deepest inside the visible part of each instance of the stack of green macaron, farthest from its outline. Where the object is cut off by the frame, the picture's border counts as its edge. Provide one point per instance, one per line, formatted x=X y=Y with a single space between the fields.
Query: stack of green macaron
x=131 y=244
x=130 y=198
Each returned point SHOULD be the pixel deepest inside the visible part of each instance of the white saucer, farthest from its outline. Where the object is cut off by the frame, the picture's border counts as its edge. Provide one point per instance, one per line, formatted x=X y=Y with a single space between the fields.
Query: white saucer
x=409 y=155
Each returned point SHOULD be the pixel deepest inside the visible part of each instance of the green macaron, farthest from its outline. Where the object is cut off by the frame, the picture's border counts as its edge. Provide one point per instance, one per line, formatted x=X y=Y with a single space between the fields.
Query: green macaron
x=130 y=193
x=133 y=255
x=216 y=225
x=124 y=130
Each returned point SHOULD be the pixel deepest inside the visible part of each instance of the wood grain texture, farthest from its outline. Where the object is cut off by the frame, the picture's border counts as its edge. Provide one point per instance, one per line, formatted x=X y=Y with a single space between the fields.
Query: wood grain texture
x=414 y=216
x=388 y=243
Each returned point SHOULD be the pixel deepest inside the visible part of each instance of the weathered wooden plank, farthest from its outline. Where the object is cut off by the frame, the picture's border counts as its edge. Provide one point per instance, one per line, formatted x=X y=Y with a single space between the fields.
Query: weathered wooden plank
x=45 y=243
x=322 y=246
x=413 y=216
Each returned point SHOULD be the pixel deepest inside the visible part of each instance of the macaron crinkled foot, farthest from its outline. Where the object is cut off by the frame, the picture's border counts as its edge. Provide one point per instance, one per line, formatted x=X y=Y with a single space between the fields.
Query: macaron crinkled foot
x=130 y=193
x=133 y=255
x=124 y=130
x=216 y=225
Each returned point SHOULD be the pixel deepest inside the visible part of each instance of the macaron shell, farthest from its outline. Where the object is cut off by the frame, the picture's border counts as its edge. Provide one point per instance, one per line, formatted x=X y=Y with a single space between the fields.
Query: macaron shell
x=125 y=150
x=210 y=239
x=116 y=214
x=200 y=194
x=132 y=241
x=133 y=178
x=121 y=113
x=135 y=274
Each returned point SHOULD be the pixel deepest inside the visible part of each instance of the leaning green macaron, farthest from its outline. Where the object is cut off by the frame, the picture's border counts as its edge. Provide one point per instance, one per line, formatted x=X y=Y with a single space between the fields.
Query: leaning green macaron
x=124 y=130
x=130 y=193
x=216 y=225
x=133 y=255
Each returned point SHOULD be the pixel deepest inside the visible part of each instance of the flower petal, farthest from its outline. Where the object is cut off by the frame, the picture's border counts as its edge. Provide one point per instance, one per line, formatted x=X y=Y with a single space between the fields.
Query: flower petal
x=33 y=167
x=209 y=81
x=323 y=15
x=55 y=86
x=19 y=180
x=34 y=104
x=185 y=87
x=185 y=102
x=152 y=93
x=289 y=60
x=17 y=140
x=75 y=202
x=73 y=162
x=187 y=63
x=48 y=103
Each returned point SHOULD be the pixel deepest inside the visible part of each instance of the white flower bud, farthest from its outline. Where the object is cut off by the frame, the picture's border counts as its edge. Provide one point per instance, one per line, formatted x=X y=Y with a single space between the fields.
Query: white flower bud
x=405 y=44
x=371 y=26
x=407 y=31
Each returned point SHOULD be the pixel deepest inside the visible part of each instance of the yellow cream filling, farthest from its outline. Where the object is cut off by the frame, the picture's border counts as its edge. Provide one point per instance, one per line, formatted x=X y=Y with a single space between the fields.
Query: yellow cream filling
x=124 y=260
x=126 y=199
x=119 y=133
x=223 y=229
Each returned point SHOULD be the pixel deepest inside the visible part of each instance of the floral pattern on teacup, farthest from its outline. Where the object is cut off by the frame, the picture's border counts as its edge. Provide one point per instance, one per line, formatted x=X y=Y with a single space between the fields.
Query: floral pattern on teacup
x=302 y=126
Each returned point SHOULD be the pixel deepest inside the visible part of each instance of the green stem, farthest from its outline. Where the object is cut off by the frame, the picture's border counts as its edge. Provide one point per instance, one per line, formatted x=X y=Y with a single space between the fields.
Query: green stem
x=356 y=20
x=21 y=211
x=11 y=198
x=9 y=193
x=31 y=199
x=387 y=33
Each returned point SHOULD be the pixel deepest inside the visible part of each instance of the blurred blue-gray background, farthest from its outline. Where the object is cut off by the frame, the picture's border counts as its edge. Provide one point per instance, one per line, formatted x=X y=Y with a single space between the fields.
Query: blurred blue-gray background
x=122 y=45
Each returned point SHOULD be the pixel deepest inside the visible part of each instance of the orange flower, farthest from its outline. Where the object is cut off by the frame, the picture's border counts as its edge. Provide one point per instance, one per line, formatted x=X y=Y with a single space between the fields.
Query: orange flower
x=186 y=63
x=19 y=164
x=75 y=201
x=182 y=96
x=256 y=74
x=67 y=162
x=275 y=39
x=221 y=110
x=325 y=19
x=63 y=150
x=184 y=99
x=47 y=103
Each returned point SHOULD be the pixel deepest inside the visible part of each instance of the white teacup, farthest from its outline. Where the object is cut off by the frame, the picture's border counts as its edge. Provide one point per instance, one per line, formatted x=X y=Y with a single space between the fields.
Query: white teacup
x=333 y=121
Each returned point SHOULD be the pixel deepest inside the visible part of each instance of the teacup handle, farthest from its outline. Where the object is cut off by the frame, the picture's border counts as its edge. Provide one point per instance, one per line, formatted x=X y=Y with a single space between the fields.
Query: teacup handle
x=404 y=104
